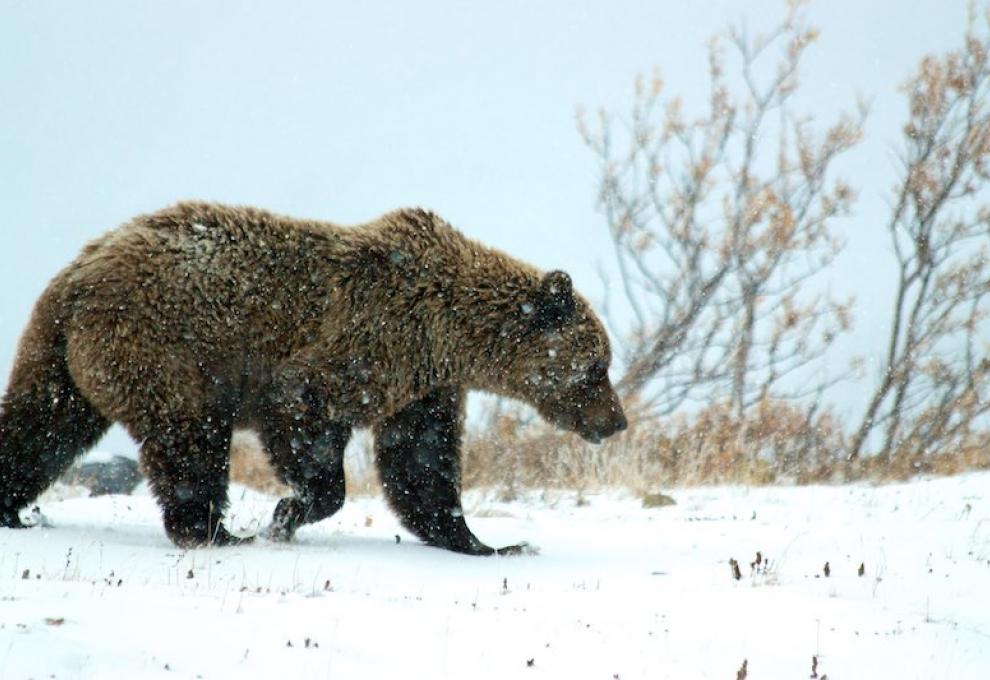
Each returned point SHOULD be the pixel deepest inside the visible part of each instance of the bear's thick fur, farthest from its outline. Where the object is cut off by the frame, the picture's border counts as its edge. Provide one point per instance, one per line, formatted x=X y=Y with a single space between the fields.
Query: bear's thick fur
x=185 y=324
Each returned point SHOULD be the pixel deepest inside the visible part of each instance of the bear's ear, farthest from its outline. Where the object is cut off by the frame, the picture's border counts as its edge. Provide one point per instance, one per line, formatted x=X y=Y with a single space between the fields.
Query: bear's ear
x=555 y=300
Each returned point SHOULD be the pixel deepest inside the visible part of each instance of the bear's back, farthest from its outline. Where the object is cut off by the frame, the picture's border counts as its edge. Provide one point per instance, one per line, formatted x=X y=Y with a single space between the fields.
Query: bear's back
x=200 y=279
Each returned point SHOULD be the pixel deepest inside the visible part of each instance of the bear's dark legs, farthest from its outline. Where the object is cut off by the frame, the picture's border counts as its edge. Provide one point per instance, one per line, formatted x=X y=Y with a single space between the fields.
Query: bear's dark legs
x=44 y=425
x=418 y=456
x=187 y=465
x=309 y=457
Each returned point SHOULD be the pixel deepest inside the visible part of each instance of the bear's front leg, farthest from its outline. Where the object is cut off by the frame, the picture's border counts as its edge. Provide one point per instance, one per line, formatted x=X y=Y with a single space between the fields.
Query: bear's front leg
x=307 y=452
x=187 y=465
x=418 y=456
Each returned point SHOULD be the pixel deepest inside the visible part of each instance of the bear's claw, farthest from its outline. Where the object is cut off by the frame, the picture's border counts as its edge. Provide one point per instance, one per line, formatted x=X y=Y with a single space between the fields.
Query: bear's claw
x=278 y=533
x=224 y=537
x=518 y=549
x=219 y=538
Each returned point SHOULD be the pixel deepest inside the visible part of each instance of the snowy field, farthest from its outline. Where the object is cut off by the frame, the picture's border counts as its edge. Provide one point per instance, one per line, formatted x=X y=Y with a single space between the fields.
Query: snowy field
x=617 y=591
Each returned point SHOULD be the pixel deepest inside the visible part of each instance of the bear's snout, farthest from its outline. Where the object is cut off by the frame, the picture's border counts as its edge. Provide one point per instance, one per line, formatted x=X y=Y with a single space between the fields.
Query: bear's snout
x=610 y=425
x=593 y=412
x=603 y=425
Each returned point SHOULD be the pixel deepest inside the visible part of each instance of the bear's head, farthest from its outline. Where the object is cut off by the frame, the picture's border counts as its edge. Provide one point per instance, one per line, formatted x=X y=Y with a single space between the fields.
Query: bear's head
x=559 y=361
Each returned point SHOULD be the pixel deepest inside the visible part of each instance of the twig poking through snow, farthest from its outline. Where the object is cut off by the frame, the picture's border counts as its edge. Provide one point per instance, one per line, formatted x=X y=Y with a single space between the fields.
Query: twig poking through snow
x=734 y=566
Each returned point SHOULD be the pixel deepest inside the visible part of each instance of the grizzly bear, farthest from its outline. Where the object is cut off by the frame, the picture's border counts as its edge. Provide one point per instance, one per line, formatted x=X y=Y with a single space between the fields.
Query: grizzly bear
x=188 y=323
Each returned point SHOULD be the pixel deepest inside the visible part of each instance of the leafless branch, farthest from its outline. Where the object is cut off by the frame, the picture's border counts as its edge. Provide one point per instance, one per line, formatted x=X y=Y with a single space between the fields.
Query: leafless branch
x=715 y=230
x=927 y=399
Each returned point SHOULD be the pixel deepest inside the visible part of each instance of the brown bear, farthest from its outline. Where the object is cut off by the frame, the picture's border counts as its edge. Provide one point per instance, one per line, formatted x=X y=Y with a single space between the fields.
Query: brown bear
x=187 y=323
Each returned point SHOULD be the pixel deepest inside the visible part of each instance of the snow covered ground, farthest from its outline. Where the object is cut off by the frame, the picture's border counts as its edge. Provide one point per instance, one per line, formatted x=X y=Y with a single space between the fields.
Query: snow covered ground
x=618 y=591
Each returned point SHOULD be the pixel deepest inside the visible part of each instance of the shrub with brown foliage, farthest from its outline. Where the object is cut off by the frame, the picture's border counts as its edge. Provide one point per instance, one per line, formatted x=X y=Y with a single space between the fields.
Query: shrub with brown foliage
x=718 y=221
x=933 y=396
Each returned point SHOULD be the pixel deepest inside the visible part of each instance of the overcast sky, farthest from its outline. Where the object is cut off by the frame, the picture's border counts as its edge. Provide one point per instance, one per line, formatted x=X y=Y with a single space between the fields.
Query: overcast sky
x=344 y=110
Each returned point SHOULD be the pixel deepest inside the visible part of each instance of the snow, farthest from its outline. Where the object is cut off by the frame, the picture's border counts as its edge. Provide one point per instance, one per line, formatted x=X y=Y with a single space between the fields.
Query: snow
x=99 y=456
x=617 y=591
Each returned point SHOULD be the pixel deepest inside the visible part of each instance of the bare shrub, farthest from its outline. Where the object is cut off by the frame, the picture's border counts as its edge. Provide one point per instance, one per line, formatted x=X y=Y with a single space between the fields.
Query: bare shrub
x=718 y=222
x=934 y=392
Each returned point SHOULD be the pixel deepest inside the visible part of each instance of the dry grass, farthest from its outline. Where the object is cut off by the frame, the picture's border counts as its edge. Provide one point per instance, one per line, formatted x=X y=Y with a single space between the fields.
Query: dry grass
x=777 y=443
x=249 y=465
x=968 y=455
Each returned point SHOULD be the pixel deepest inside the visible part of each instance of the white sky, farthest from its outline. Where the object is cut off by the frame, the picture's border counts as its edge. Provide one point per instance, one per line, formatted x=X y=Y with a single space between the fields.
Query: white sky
x=345 y=110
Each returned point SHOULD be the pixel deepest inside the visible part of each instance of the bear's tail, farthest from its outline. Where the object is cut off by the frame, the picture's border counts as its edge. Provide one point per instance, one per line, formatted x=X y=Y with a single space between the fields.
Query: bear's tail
x=45 y=422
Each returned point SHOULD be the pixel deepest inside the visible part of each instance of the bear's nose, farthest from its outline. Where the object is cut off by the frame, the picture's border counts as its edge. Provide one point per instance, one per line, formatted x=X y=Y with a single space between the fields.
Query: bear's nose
x=607 y=425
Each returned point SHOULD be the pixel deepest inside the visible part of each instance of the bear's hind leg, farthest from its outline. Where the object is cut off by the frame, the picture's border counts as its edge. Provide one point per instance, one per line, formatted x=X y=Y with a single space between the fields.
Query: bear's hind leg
x=418 y=455
x=187 y=465
x=309 y=457
x=39 y=439
x=45 y=423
